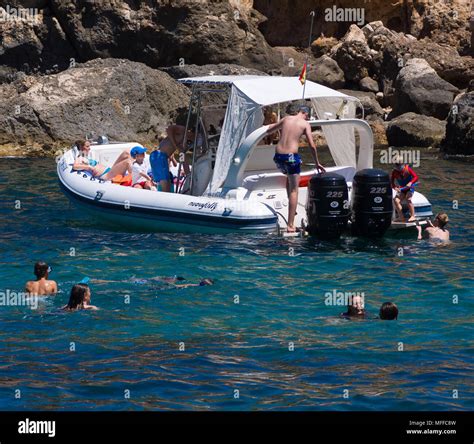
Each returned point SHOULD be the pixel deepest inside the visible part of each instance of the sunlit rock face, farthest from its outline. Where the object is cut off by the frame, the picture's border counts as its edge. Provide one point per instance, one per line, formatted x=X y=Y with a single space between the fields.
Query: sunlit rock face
x=444 y=22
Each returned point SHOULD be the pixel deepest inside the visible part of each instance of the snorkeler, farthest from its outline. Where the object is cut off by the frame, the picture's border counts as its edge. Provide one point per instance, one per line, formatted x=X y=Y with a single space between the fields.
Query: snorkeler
x=169 y=281
x=42 y=286
x=203 y=283
x=79 y=299
x=388 y=311
x=436 y=230
x=140 y=281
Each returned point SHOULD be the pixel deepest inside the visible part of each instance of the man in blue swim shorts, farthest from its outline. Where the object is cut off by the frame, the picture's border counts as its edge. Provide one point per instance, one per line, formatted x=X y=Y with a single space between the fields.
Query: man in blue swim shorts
x=159 y=159
x=287 y=158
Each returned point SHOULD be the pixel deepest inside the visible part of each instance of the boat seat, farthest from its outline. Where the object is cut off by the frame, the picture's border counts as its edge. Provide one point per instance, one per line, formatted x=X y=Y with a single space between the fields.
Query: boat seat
x=273 y=180
x=264 y=181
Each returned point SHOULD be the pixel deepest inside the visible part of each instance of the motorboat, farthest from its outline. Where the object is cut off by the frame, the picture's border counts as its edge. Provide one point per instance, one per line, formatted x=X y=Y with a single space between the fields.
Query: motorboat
x=233 y=184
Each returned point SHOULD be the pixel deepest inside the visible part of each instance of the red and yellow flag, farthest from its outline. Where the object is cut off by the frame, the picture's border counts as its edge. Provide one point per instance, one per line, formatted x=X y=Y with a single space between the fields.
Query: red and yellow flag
x=302 y=77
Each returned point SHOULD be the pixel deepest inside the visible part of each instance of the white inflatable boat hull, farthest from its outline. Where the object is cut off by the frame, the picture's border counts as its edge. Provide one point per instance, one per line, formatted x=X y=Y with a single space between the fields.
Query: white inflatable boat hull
x=159 y=211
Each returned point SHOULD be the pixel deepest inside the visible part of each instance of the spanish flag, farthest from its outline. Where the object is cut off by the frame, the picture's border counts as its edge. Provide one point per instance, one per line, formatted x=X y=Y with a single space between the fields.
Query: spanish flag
x=302 y=77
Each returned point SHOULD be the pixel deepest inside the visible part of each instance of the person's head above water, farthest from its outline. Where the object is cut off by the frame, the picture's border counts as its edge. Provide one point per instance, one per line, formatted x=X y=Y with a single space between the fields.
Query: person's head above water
x=80 y=296
x=206 y=281
x=441 y=220
x=388 y=311
x=356 y=306
x=42 y=270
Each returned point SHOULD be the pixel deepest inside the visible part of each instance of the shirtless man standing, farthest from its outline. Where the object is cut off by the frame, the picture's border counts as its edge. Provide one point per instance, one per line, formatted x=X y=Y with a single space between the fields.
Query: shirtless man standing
x=160 y=158
x=436 y=230
x=287 y=158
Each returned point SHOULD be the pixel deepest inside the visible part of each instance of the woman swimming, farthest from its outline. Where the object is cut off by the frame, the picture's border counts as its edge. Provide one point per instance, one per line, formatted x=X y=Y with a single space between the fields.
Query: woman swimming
x=79 y=299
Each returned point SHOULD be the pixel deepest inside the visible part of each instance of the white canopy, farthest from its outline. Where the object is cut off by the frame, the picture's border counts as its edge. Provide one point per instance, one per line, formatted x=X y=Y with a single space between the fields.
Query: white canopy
x=268 y=90
x=249 y=93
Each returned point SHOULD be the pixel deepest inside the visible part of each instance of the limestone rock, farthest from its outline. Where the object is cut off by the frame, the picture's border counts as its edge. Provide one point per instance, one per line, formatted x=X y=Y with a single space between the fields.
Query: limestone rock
x=419 y=89
x=121 y=99
x=412 y=129
x=460 y=127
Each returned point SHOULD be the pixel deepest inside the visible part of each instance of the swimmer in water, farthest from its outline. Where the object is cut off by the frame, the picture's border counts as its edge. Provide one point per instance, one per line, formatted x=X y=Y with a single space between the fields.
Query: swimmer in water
x=79 y=299
x=388 y=311
x=41 y=286
x=142 y=281
x=436 y=230
x=356 y=309
x=203 y=283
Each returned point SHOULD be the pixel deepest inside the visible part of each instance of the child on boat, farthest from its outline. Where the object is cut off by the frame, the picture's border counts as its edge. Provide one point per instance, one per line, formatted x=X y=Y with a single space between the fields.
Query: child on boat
x=41 y=286
x=79 y=298
x=403 y=180
x=140 y=168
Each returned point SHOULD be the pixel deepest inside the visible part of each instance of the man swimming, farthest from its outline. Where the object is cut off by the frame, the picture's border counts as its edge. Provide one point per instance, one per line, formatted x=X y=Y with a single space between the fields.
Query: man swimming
x=356 y=308
x=287 y=158
x=42 y=286
x=388 y=311
x=436 y=230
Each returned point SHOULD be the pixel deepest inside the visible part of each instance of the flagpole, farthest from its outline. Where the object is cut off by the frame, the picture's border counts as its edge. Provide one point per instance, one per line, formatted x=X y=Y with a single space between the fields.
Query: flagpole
x=312 y=14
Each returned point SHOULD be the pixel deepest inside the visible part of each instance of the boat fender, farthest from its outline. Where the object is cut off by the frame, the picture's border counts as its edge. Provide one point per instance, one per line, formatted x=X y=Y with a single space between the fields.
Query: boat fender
x=304 y=181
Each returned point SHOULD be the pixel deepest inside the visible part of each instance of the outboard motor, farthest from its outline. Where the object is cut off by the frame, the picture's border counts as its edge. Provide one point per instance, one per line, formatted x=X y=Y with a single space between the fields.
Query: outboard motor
x=372 y=204
x=327 y=206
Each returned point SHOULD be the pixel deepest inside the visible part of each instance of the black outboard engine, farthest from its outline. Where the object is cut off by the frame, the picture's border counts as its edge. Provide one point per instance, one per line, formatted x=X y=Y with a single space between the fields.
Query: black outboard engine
x=327 y=206
x=372 y=204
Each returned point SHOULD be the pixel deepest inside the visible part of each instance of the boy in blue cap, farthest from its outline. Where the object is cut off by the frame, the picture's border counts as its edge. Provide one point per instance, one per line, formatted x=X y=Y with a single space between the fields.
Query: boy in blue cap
x=140 y=168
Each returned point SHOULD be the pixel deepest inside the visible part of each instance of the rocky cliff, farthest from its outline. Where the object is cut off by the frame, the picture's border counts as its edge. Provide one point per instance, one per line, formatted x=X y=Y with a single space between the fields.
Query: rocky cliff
x=401 y=56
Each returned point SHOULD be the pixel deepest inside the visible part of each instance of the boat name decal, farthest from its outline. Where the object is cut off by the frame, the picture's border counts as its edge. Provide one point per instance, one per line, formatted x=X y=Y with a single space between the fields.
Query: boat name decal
x=202 y=205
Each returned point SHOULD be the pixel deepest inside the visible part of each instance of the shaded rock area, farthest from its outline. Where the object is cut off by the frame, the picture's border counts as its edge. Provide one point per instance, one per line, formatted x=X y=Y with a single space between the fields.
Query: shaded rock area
x=122 y=99
x=397 y=57
x=460 y=127
x=169 y=31
x=412 y=129
x=421 y=90
x=287 y=21
x=327 y=72
x=178 y=72
x=368 y=84
x=368 y=101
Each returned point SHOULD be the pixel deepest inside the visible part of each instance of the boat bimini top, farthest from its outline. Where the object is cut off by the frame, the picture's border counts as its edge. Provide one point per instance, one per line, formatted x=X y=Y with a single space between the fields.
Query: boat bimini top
x=241 y=129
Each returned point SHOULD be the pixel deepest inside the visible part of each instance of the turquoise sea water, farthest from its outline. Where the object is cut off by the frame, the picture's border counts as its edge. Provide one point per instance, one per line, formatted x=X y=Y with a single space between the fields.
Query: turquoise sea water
x=232 y=346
